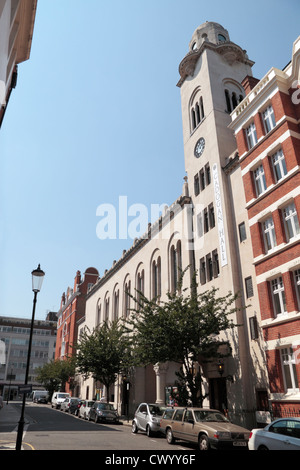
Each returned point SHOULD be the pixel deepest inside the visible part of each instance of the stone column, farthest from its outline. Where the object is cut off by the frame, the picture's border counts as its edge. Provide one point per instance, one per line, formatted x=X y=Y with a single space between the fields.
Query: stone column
x=160 y=371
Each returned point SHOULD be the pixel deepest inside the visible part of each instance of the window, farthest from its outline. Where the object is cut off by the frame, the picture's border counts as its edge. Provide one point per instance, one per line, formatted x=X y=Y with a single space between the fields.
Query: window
x=196 y=185
x=232 y=99
x=249 y=287
x=116 y=305
x=253 y=328
x=197 y=114
x=291 y=221
x=202 y=271
x=156 y=278
x=207 y=174
x=279 y=165
x=211 y=216
x=175 y=265
x=202 y=179
x=216 y=266
x=242 y=232
x=251 y=135
x=278 y=295
x=127 y=289
x=269 y=233
x=297 y=285
x=289 y=368
x=268 y=119
x=209 y=267
x=260 y=180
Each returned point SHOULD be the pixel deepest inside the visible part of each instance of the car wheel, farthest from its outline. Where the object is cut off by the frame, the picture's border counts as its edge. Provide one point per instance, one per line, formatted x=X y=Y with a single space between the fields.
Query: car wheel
x=169 y=436
x=203 y=442
x=149 y=431
x=262 y=448
x=84 y=416
x=134 y=427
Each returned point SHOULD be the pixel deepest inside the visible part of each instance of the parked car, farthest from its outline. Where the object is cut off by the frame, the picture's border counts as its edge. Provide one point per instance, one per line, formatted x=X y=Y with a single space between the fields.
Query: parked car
x=147 y=418
x=84 y=410
x=281 y=434
x=70 y=405
x=210 y=429
x=40 y=396
x=58 y=398
x=103 y=412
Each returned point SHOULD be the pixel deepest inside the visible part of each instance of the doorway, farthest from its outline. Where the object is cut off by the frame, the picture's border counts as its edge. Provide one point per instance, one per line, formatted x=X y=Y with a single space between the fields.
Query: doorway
x=218 y=394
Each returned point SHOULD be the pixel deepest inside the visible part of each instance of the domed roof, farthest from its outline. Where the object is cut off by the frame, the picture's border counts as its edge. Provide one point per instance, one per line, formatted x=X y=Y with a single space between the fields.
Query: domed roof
x=208 y=31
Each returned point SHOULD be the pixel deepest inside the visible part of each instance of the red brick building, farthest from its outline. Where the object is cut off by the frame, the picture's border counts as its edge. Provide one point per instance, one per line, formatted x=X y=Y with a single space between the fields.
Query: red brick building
x=72 y=310
x=266 y=125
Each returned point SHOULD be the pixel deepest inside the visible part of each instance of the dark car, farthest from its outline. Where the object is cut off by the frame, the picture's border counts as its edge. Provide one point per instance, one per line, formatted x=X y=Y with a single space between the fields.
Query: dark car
x=103 y=412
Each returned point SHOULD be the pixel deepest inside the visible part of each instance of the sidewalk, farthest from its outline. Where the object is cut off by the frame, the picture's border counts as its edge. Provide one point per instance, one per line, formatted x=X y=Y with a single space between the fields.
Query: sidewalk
x=9 y=419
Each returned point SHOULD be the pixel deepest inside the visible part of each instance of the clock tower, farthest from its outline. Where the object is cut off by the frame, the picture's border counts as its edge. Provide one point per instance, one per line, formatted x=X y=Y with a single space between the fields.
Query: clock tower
x=210 y=83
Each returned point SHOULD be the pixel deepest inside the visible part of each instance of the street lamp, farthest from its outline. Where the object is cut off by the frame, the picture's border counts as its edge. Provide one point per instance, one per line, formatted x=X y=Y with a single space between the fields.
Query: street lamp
x=37 y=280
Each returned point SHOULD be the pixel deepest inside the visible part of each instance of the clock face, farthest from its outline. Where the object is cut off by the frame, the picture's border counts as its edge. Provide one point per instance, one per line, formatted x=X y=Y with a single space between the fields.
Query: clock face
x=199 y=147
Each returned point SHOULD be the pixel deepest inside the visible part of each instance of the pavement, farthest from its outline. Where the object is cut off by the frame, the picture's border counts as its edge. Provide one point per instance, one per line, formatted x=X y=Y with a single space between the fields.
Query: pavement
x=9 y=420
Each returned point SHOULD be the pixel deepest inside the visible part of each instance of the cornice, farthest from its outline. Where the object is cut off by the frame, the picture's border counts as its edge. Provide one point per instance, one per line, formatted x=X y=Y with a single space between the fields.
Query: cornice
x=229 y=50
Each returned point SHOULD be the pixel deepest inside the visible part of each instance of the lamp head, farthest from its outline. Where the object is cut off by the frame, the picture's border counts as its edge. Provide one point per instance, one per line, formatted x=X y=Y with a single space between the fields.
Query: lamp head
x=37 y=279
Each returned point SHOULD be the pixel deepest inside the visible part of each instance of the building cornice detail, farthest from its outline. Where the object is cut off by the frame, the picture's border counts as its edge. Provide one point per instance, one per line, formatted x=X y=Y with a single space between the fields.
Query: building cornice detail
x=229 y=50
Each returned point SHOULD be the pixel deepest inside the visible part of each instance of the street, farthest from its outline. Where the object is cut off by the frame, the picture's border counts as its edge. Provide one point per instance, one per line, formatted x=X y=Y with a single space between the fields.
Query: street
x=51 y=429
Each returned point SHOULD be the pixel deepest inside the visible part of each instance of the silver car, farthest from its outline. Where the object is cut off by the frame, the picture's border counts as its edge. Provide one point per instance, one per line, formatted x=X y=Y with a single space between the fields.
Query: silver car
x=281 y=434
x=147 y=418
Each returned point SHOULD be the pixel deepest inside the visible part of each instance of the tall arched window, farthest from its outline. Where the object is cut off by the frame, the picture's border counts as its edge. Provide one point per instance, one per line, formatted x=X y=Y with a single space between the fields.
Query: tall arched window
x=234 y=94
x=176 y=265
x=116 y=304
x=140 y=285
x=196 y=110
x=98 y=313
x=126 y=302
x=156 y=278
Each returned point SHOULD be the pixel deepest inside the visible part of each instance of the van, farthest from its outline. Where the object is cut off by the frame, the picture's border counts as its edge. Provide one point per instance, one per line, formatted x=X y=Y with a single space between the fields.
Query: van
x=58 y=398
x=40 y=396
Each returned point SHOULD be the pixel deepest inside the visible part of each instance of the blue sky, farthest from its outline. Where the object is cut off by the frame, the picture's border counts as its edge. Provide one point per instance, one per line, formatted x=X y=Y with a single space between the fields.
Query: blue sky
x=96 y=115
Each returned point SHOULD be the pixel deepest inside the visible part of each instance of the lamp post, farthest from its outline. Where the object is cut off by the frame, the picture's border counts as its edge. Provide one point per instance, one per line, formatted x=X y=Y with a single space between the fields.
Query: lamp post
x=37 y=280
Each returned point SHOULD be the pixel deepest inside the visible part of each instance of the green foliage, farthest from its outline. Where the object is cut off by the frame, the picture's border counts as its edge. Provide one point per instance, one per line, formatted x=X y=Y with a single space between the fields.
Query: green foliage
x=54 y=374
x=183 y=329
x=104 y=352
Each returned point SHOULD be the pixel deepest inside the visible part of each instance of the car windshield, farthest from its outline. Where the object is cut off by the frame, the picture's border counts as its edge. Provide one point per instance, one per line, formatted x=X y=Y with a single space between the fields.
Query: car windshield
x=62 y=395
x=105 y=406
x=209 y=415
x=157 y=410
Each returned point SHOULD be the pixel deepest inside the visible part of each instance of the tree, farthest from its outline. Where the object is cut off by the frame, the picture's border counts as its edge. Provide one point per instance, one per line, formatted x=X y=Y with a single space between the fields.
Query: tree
x=54 y=374
x=103 y=353
x=184 y=329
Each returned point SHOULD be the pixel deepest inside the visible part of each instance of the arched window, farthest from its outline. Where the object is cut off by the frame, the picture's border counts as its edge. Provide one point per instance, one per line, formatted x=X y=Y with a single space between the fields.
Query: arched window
x=196 y=110
x=234 y=94
x=140 y=285
x=127 y=293
x=106 y=308
x=176 y=265
x=98 y=313
x=116 y=304
x=156 y=278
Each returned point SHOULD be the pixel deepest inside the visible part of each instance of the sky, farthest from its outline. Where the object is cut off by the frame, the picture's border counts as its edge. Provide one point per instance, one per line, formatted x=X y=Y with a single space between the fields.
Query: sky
x=95 y=119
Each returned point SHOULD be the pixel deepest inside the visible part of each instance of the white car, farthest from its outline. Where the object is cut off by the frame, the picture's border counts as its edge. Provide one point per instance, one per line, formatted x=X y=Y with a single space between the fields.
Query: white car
x=85 y=408
x=281 y=434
